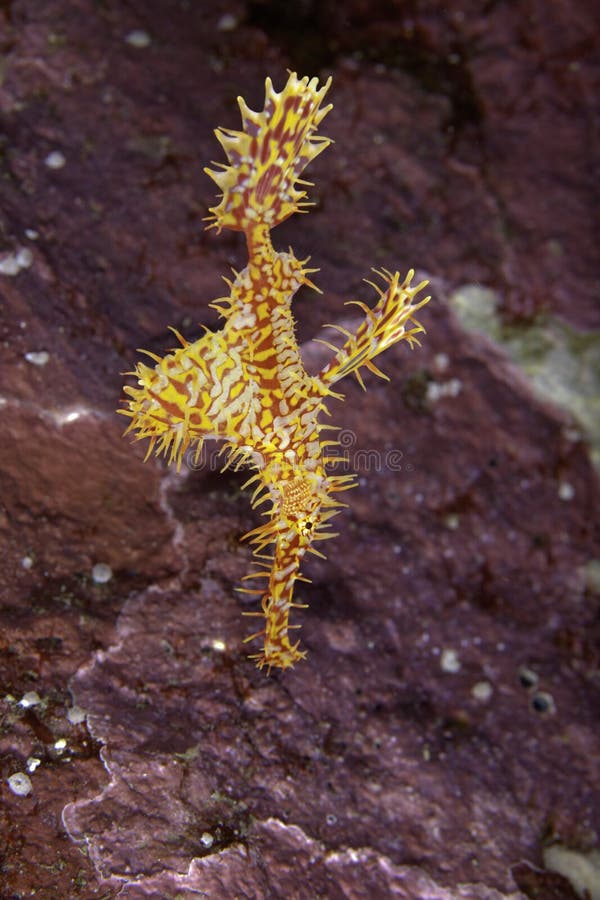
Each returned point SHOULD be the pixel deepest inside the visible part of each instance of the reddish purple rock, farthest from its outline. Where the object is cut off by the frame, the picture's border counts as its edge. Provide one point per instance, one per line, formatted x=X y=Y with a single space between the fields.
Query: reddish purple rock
x=444 y=726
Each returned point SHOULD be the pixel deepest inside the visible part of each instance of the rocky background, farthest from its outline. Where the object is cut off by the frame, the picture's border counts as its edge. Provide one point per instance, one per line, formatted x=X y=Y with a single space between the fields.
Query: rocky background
x=441 y=740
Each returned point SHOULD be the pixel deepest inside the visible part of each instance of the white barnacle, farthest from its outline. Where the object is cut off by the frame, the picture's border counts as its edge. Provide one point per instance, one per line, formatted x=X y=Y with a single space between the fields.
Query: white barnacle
x=20 y=784
x=139 y=39
x=101 y=573
x=31 y=698
x=449 y=661
x=37 y=357
x=55 y=160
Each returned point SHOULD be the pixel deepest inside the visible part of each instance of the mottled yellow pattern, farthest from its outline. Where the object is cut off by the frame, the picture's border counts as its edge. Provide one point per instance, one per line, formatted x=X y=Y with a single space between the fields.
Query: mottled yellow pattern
x=246 y=383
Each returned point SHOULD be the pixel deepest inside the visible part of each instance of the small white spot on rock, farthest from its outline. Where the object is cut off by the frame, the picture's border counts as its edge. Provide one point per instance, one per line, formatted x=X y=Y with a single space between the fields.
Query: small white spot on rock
x=139 y=39
x=228 y=22
x=591 y=574
x=207 y=840
x=68 y=414
x=27 y=562
x=31 y=698
x=32 y=234
x=441 y=361
x=24 y=257
x=76 y=715
x=60 y=745
x=71 y=416
x=438 y=389
x=219 y=645
x=9 y=266
x=482 y=691
x=449 y=661
x=101 y=573
x=12 y=263
x=37 y=357
x=566 y=491
x=55 y=160
x=32 y=763
x=20 y=784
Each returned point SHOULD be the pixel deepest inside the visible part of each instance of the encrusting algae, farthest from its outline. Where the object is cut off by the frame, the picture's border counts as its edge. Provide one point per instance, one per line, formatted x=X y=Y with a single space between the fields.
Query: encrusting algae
x=246 y=384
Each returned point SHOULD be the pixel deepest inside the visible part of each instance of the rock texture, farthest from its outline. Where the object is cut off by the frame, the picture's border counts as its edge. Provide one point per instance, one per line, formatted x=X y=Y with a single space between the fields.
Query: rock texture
x=444 y=727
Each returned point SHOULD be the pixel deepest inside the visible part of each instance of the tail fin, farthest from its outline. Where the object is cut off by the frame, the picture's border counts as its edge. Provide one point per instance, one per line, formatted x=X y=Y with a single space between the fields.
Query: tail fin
x=267 y=158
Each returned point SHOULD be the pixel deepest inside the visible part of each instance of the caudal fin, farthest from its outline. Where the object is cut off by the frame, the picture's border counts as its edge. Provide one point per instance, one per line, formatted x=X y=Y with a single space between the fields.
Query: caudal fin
x=268 y=156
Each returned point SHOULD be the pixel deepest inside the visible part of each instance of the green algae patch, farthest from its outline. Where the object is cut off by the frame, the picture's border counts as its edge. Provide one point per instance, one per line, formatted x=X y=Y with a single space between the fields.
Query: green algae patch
x=561 y=363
